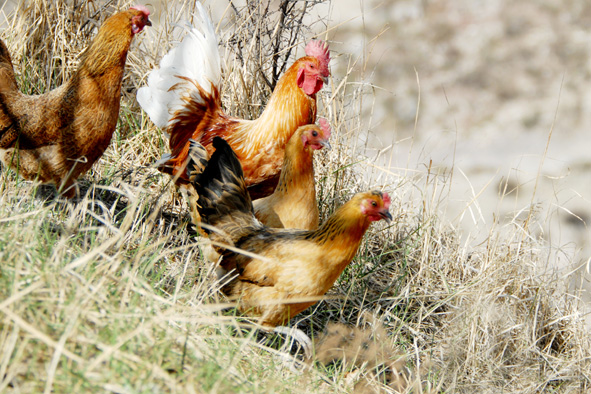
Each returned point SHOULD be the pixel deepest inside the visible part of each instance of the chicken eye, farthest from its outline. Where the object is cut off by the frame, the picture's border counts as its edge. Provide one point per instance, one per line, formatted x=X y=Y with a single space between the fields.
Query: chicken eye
x=314 y=133
x=374 y=204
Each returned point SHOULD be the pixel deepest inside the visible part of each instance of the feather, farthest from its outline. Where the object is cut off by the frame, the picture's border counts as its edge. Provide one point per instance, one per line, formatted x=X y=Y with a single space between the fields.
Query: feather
x=196 y=58
x=223 y=197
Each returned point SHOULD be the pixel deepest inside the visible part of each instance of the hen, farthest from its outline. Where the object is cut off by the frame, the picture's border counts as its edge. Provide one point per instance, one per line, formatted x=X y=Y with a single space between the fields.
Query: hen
x=57 y=136
x=182 y=97
x=293 y=203
x=275 y=273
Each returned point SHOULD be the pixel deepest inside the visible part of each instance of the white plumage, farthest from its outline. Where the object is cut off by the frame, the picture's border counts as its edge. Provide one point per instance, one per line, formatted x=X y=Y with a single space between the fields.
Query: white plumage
x=196 y=57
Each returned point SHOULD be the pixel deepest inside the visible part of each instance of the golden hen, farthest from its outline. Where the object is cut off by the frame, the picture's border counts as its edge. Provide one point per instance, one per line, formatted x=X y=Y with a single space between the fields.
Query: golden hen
x=57 y=136
x=275 y=273
x=182 y=97
x=293 y=203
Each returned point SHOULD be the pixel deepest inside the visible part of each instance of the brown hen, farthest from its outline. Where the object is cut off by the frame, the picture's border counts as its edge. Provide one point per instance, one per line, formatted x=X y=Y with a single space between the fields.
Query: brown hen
x=293 y=203
x=57 y=136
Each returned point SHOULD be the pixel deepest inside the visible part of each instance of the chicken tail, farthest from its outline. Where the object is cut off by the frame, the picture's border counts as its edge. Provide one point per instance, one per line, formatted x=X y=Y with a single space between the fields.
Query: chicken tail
x=193 y=62
x=198 y=159
x=223 y=199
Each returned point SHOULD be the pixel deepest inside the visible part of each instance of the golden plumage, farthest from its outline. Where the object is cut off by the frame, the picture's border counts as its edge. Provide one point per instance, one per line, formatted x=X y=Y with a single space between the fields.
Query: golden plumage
x=293 y=203
x=294 y=267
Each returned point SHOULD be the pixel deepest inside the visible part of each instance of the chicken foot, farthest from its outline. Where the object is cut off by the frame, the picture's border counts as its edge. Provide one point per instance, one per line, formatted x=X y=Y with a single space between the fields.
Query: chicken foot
x=297 y=335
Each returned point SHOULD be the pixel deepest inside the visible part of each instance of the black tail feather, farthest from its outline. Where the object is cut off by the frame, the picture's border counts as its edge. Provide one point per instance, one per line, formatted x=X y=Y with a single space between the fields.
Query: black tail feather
x=220 y=185
x=198 y=158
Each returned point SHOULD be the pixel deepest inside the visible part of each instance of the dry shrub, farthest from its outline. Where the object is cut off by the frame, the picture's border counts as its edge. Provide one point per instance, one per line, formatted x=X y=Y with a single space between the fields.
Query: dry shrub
x=261 y=39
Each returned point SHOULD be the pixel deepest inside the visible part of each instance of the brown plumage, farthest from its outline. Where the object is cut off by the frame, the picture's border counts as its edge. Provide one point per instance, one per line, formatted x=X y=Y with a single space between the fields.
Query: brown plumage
x=186 y=109
x=57 y=136
x=292 y=268
x=293 y=203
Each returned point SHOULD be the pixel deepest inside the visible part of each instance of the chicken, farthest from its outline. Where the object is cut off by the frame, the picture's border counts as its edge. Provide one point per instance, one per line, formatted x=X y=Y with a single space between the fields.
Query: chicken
x=275 y=273
x=293 y=203
x=182 y=97
x=57 y=136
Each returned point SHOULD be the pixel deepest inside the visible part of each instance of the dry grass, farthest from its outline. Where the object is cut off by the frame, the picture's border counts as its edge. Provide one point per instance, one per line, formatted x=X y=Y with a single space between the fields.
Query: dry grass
x=110 y=294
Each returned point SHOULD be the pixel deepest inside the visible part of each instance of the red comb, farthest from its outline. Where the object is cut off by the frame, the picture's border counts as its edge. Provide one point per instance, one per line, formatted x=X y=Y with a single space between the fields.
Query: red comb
x=386 y=199
x=142 y=8
x=319 y=50
x=325 y=127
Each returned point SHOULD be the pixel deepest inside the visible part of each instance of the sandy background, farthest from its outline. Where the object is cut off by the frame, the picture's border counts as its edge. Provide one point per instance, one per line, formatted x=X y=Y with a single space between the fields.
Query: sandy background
x=505 y=92
x=500 y=82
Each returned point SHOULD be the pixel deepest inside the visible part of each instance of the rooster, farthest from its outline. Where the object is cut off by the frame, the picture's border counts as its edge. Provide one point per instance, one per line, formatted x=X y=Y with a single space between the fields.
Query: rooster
x=293 y=203
x=182 y=97
x=275 y=273
x=57 y=136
